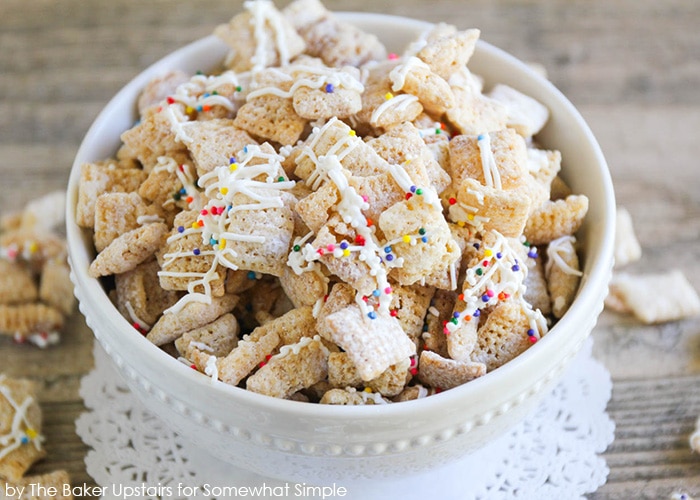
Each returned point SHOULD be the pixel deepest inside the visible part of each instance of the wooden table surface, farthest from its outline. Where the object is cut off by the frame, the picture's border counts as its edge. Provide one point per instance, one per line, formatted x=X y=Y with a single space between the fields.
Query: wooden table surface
x=632 y=67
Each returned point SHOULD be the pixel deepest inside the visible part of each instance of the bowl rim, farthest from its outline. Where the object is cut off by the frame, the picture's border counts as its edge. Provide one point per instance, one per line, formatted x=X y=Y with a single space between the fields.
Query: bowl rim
x=596 y=274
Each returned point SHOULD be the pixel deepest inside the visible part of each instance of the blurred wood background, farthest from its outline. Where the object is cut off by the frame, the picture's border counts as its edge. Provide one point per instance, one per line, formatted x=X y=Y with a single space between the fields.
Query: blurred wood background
x=632 y=67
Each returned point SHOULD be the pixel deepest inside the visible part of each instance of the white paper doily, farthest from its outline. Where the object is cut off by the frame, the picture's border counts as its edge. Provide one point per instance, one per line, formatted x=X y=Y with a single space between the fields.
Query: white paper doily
x=554 y=453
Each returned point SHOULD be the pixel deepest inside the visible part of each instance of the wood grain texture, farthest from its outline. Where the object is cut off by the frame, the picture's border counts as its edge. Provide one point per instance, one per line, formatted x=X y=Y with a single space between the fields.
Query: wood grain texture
x=631 y=66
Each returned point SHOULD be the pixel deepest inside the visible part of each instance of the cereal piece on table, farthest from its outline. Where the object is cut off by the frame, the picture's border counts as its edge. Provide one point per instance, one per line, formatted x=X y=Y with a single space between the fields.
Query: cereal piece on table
x=491 y=209
x=413 y=76
x=26 y=319
x=562 y=273
x=342 y=373
x=423 y=239
x=372 y=344
x=336 y=42
x=503 y=336
x=304 y=289
x=447 y=54
x=410 y=304
x=536 y=293
x=498 y=159
x=474 y=113
x=184 y=260
x=249 y=353
x=129 y=250
x=55 y=287
x=140 y=298
x=647 y=298
x=20 y=428
x=193 y=314
x=217 y=338
x=352 y=397
x=40 y=487
x=32 y=247
x=16 y=283
x=215 y=142
x=695 y=437
x=119 y=213
x=443 y=373
x=45 y=213
x=555 y=219
x=525 y=114
x=10 y=221
x=259 y=37
x=99 y=178
x=159 y=88
x=297 y=366
x=627 y=247
x=154 y=135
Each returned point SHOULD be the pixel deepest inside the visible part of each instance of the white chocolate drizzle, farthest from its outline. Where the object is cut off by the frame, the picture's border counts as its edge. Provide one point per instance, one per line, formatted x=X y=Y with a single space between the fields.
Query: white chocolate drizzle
x=312 y=77
x=148 y=219
x=399 y=73
x=178 y=123
x=143 y=326
x=329 y=169
x=212 y=369
x=502 y=278
x=264 y=13
x=200 y=346
x=492 y=177
x=399 y=103
x=204 y=91
x=555 y=255
x=295 y=349
x=185 y=176
x=261 y=186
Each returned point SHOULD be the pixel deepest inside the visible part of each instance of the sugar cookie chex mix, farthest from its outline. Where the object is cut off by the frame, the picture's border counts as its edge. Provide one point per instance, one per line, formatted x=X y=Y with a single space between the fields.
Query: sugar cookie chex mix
x=324 y=221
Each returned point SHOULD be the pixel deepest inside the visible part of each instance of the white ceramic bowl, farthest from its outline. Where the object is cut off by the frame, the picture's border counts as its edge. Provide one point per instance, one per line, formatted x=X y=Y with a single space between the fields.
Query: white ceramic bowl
x=318 y=443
